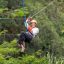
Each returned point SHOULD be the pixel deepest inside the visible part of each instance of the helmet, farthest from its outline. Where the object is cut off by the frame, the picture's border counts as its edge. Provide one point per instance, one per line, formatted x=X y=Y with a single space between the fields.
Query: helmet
x=34 y=21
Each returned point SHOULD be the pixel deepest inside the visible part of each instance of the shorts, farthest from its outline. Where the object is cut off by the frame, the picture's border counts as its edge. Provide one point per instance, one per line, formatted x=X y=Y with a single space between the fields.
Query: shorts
x=24 y=37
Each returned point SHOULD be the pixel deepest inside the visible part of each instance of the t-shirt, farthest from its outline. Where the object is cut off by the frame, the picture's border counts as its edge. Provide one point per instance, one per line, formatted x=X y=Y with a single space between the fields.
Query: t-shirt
x=34 y=30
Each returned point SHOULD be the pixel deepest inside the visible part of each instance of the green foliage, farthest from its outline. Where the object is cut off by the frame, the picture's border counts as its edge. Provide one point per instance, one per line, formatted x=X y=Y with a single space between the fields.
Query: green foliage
x=3 y=32
x=49 y=42
x=9 y=48
x=3 y=3
x=2 y=10
x=9 y=45
x=5 y=51
x=1 y=59
x=34 y=60
x=17 y=12
x=24 y=60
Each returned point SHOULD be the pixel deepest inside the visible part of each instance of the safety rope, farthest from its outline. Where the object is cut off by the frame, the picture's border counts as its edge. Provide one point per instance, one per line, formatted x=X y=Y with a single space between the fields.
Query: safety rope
x=24 y=17
x=23 y=5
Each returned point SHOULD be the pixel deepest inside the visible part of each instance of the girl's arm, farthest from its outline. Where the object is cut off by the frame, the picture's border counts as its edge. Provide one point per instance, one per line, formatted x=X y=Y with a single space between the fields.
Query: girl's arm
x=29 y=28
x=26 y=23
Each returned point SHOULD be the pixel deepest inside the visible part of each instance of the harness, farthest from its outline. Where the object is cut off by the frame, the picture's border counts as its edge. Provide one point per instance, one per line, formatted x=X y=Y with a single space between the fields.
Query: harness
x=30 y=34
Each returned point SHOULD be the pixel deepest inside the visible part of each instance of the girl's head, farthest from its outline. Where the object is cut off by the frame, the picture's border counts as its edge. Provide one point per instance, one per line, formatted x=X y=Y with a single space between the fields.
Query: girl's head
x=33 y=23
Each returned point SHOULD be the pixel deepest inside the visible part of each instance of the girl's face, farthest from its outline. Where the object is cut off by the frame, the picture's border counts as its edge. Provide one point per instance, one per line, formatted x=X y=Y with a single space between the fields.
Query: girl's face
x=33 y=24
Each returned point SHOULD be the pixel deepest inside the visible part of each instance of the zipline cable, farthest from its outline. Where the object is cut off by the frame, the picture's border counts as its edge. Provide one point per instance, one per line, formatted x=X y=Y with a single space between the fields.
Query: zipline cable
x=43 y=9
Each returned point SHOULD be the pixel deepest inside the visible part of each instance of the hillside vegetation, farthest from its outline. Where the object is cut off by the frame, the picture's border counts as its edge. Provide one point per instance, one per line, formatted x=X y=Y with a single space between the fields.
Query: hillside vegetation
x=47 y=47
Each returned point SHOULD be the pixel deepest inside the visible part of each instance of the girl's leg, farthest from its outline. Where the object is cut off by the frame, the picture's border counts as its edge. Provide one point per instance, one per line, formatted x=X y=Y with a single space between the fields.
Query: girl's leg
x=22 y=46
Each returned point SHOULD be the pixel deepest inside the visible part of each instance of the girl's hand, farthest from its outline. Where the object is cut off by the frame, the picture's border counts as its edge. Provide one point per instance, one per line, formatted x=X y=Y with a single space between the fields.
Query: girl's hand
x=29 y=19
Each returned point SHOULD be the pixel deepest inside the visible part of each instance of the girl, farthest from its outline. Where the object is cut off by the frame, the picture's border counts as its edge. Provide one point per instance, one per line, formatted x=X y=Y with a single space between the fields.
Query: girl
x=27 y=36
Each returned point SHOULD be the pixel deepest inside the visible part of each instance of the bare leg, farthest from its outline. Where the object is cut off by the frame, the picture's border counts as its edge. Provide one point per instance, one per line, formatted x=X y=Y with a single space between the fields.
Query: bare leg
x=22 y=47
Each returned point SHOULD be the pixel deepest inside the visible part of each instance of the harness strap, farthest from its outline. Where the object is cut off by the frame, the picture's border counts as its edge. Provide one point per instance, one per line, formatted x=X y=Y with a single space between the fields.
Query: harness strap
x=30 y=33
